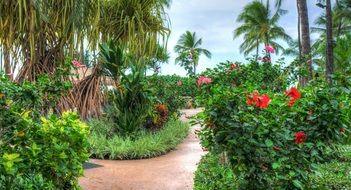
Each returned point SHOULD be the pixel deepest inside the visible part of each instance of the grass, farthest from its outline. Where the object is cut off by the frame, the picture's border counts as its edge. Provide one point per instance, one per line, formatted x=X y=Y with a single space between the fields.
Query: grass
x=143 y=145
x=212 y=175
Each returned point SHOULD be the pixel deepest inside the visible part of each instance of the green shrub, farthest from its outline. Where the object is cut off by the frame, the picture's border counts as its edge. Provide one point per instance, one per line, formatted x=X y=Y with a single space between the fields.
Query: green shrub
x=211 y=174
x=26 y=182
x=144 y=144
x=273 y=140
x=44 y=154
x=173 y=90
x=41 y=96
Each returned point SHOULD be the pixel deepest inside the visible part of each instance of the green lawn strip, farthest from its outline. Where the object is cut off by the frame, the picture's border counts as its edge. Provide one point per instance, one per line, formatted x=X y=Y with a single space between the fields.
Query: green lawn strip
x=144 y=145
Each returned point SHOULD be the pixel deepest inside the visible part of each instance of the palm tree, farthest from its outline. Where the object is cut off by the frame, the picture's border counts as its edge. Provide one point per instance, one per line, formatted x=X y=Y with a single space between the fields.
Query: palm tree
x=329 y=69
x=305 y=39
x=260 y=27
x=189 y=51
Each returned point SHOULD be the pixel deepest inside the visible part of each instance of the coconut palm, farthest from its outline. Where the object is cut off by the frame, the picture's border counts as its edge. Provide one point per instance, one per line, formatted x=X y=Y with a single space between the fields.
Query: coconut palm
x=189 y=51
x=304 y=38
x=260 y=26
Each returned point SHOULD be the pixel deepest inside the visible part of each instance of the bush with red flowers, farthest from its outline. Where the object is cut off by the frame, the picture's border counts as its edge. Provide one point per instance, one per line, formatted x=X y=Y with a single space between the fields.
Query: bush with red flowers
x=173 y=91
x=272 y=138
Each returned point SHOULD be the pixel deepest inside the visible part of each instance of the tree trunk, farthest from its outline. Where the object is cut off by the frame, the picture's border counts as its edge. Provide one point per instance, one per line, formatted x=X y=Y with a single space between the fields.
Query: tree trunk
x=257 y=47
x=329 y=70
x=338 y=33
x=194 y=68
x=82 y=52
x=305 y=40
x=7 y=62
x=299 y=32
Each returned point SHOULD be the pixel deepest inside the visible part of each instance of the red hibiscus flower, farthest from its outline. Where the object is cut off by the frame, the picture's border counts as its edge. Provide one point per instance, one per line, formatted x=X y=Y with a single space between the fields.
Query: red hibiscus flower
x=259 y=101
x=253 y=98
x=300 y=137
x=263 y=101
x=203 y=80
x=294 y=95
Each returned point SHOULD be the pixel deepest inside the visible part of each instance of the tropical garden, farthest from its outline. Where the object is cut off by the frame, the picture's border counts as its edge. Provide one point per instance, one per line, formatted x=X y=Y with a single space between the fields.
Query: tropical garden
x=80 y=80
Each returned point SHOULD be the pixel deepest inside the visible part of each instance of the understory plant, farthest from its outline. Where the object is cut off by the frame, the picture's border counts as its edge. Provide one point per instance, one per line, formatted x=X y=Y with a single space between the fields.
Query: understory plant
x=131 y=102
x=272 y=138
x=40 y=154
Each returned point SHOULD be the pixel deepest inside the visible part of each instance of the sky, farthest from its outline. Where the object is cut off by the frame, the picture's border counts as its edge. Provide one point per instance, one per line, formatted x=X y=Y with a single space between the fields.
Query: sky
x=214 y=21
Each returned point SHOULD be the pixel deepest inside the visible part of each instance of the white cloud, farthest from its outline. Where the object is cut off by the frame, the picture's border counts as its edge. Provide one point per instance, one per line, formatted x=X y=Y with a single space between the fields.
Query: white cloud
x=214 y=21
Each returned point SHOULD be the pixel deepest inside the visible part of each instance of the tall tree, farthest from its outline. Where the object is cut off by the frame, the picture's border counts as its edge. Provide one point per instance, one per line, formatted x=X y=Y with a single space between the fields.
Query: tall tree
x=189 y=51
x=305 y=39
x=330 y=60
x=260 y=26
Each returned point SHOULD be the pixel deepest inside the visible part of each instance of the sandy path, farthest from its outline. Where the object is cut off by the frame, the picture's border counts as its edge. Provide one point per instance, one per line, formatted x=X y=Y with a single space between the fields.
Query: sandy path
x=173 y=171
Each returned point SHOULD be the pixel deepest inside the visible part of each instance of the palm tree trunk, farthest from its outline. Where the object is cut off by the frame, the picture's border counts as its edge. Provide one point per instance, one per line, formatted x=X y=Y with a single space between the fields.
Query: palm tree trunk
x=329 y=62
x=267 y=44
x=338 y=33
x=305 y=39
x=257 y=46
x=194 y=68
x=7 y=60
x=82 y=52
x=299 y=32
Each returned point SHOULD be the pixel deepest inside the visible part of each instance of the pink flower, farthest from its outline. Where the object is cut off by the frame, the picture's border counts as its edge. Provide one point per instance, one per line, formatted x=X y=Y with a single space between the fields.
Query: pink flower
x=232 y=67
x=179 y=83
x=203 y=80
x=77 y=64
x=269 y=49
x=266 y=60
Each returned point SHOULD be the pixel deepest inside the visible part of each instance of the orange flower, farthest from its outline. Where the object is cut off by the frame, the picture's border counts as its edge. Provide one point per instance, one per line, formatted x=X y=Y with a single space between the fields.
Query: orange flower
x=162 y=109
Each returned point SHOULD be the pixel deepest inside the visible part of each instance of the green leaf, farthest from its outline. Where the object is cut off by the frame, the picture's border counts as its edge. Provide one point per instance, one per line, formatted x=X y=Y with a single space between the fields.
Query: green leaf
x=298 y=184
x=276 y=165
x=269 y=143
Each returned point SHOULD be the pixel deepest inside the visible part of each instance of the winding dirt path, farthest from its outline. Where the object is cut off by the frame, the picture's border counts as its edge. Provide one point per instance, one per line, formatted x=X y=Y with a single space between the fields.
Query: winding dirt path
x=173 y=171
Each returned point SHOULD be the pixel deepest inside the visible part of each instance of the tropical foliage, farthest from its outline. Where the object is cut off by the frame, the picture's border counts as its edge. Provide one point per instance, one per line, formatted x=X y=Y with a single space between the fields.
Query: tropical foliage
x=45 y=153
x=189 y=51
x=260 y=26
x=271 y=138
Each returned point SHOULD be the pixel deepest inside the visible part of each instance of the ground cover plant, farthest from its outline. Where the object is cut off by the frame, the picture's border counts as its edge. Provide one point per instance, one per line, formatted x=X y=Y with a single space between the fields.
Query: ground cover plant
x=144 y=144
x=213 y=173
